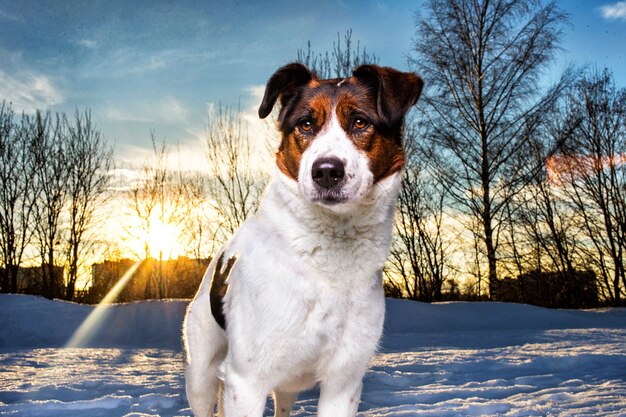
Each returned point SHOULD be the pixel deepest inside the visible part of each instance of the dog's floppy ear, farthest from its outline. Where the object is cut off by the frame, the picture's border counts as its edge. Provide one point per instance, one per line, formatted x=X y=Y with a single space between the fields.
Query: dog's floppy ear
x=283 y=84
x=395 y=91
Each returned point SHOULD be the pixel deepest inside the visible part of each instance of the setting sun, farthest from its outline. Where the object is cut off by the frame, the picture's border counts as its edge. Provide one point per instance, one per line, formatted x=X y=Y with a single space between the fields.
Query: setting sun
x=163 y=240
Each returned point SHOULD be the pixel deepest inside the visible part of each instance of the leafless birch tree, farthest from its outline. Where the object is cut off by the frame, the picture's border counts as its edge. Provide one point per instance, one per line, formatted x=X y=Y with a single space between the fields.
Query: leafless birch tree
x=484 y=61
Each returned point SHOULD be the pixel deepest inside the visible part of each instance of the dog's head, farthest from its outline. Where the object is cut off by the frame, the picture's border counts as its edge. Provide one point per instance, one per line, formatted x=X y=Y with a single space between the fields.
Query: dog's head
x=340 y=137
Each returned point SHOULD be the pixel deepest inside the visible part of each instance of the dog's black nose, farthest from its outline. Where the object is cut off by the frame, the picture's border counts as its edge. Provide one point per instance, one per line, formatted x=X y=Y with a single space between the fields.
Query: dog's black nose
x=328 y=172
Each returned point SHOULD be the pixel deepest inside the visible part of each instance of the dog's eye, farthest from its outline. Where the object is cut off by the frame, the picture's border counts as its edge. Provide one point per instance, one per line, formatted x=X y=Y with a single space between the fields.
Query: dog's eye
x=306 y=125
x=360 y=123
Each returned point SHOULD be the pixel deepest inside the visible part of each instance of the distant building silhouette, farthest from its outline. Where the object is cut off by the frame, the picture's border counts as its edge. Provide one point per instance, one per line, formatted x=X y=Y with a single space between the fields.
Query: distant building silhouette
x=30 y=281
x=575 y=289
x=176 y=278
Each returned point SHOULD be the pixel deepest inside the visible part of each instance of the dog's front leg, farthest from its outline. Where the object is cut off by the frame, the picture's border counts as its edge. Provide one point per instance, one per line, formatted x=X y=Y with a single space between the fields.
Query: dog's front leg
x=283 y=403
x=339 y=398
x=242 y=396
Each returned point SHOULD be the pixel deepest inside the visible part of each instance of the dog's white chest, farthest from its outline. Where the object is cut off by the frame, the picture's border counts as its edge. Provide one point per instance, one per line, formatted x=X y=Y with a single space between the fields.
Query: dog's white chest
x=306 y=307
x=321 y=330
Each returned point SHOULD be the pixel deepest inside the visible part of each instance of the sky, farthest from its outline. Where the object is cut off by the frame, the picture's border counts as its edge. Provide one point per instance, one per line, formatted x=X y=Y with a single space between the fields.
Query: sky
x=154 y=65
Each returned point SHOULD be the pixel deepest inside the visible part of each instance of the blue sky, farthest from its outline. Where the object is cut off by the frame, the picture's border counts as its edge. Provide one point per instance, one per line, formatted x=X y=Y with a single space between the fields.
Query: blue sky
x=158 y=65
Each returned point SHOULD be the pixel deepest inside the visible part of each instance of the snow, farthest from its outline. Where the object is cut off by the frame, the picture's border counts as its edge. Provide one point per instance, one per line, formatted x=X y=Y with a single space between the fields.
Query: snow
x=446 y=359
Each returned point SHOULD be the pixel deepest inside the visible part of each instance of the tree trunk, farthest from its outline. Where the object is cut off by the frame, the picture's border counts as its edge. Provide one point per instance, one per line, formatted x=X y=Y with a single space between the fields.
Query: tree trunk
x=491 y=259
x=616 y=287
x=69 y=291
x=72 y=272
x=52 y=290
x=13 y=272
x=487 y=214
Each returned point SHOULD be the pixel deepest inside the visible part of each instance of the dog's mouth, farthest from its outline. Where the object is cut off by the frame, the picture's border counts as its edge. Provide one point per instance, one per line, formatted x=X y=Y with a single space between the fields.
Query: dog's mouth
x=329 y=197
x=330 y=201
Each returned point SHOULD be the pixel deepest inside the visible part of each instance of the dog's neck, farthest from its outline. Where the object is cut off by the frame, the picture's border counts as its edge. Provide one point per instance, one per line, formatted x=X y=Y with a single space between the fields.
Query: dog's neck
x=317 y=232
x=374 y=210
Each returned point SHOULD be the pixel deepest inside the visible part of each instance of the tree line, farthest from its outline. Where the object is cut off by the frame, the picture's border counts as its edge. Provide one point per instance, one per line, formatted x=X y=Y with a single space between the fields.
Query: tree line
x=514 y=182
x=58 y=185
x=531 y=172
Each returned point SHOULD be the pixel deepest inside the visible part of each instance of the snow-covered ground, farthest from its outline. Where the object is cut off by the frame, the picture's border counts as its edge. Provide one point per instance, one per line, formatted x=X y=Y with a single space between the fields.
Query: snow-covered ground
x=451 y=359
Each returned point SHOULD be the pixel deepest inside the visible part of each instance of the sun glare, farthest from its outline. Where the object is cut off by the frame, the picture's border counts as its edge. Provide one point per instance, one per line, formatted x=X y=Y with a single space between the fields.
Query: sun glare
x=92 y=324
x=163 y=240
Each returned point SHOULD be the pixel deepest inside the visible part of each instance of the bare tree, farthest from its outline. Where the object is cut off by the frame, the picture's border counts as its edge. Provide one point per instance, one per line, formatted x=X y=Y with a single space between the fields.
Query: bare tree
x=418 y=262
x=17 y=195
x=51 y=176
x=538 y=232
x=594 y=169
x=234 y=186
x=419 y=253
x=545 y=220
x=198 y=222
x=484 y=60
x=342 y=59
x=89 y=161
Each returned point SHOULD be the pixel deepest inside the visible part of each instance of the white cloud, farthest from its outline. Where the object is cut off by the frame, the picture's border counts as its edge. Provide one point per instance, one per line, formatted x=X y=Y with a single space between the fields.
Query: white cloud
x=88 y=43
x=130 y=60
x=210 y=109
x=119 y=63
x=120 y=115
x=166 y=110
x=8 y=16
x=184 y=156
x=171 y=110
x=614 y=11
x=29 y=91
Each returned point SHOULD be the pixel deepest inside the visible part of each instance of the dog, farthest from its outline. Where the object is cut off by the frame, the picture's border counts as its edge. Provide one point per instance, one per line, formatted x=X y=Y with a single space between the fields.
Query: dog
x=295 y=299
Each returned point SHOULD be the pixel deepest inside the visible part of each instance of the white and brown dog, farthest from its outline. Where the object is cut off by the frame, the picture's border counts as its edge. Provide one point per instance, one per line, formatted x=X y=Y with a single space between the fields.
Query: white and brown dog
x=295 y=298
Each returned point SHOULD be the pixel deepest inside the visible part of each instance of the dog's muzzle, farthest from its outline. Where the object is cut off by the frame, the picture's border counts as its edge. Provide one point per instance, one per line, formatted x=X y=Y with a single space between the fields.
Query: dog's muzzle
x=328 y=174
